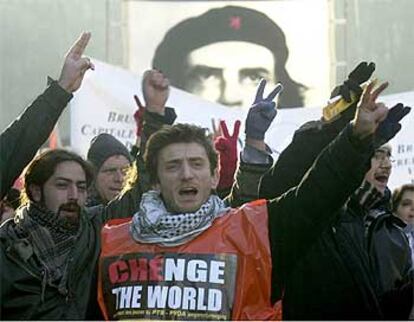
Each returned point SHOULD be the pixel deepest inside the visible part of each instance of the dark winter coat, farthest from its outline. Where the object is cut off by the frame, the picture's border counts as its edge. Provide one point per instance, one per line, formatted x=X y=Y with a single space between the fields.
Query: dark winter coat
x=337 y=278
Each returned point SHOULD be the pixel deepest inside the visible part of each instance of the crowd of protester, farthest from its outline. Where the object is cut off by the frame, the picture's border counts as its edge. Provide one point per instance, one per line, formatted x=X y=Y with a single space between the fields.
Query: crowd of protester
x=315 y=234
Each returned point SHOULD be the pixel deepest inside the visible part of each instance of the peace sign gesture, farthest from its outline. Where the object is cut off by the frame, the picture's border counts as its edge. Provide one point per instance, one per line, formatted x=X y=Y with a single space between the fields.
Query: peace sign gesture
x=226 y=146
x=223 y=137
x=75 y=65
x=262 y=112
x=369 y=113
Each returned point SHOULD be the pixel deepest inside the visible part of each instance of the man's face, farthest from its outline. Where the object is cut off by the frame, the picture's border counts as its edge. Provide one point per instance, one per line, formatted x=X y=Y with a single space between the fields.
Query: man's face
x=405 y=209
x=111 y=176
x=228 y=72
x=65 y=191
x=184 y=175
x=380 y=170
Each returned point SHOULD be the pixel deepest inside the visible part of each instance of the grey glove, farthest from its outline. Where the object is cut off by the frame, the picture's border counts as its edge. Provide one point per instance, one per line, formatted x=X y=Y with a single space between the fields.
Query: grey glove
x=262 y=112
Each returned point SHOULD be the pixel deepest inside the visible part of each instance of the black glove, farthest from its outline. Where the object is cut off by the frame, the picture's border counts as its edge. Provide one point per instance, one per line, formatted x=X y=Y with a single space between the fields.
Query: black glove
x=262 y=112
x=359 y=75
x=389 y=128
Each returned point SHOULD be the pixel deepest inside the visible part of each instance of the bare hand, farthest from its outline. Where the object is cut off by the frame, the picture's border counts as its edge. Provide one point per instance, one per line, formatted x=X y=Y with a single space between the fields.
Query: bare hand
x=75 y=65
x=156 y=89
x=369 y=113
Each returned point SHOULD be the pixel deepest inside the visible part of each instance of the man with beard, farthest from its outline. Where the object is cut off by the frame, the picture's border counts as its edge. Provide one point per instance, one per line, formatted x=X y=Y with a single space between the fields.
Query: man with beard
x=39 y=279
x=35 y=247
x=49 y=253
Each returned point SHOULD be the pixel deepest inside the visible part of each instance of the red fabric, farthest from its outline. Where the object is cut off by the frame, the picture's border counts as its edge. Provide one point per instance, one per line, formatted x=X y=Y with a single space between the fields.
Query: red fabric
x=226 y=146
x=243 y=232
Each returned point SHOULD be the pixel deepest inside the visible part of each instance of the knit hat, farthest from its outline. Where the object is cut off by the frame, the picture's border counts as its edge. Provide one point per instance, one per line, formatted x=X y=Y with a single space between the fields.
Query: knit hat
x=104 y=146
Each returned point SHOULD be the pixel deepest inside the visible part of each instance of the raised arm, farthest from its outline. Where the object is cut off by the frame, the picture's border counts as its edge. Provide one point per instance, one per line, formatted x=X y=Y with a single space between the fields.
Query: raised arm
x=312 y=137
x=156 y=90
x=155 y=87
x=226 y=147
x=20 y=141
x=255 y=158
x=297 y=218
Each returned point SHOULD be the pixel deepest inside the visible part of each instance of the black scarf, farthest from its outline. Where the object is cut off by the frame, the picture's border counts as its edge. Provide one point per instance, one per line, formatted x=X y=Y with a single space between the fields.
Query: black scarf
x=52 y=239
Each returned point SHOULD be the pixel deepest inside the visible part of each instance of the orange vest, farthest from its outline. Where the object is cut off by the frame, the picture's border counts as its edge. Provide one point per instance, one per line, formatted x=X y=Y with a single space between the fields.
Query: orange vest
x=224 y=273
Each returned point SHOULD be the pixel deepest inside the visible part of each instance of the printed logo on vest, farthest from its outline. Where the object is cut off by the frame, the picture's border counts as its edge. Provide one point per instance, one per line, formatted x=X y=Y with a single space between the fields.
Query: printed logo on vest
x=169 y=286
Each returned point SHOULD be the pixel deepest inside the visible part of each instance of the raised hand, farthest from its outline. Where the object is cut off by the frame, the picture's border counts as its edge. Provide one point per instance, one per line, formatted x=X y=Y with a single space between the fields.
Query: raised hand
x=362 y=72
x=369 y=113
x=359 y=75
x=75 y=65
x=156 y=89
x=262 y=112
x=226 y=146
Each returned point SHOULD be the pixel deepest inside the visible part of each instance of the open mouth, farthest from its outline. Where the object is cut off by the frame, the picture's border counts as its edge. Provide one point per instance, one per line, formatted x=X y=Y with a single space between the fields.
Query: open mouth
x=383 y=178
x=188 y=191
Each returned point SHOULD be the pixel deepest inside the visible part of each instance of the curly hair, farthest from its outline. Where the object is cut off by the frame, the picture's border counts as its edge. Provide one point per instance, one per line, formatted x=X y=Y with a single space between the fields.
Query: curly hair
x=178 y=133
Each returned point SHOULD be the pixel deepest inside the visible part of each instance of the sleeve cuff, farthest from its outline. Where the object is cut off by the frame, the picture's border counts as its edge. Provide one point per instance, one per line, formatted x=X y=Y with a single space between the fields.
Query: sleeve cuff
x=56 y=95
x=255 y=156
x=168 y=117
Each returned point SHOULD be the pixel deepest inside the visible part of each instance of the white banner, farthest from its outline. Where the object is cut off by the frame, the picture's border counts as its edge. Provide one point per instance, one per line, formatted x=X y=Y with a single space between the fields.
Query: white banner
x=105 y=104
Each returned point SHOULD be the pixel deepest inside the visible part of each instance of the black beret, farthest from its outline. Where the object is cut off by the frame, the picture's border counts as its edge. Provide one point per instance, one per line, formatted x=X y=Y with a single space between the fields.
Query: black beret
x=229 y=23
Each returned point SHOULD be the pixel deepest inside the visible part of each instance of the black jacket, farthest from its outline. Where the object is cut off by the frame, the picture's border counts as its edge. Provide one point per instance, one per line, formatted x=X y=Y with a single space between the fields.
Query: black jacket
x=299 y=217
x=20 y=141
x=23 y=292
x=390 y=255
x=337 y=278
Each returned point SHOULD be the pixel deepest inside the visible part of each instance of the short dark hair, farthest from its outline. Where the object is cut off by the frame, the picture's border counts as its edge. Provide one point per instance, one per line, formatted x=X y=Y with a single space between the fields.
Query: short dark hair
x=178 y=133
x=44 y=165
x=213 y=26
x=398 y=193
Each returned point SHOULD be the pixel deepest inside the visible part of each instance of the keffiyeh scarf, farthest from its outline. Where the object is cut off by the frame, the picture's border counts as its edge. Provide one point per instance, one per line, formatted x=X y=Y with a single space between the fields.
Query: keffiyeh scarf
x=50 y=238
x=154 y=224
